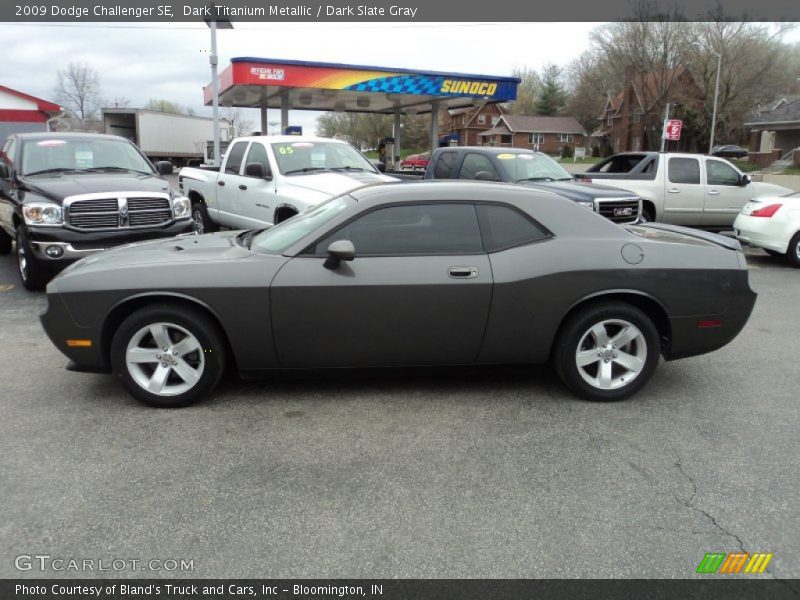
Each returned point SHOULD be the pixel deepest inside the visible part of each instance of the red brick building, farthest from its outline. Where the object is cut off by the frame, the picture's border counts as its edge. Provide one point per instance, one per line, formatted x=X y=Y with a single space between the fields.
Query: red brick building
x=546 y=134
x=624 y=121
x=468 y=123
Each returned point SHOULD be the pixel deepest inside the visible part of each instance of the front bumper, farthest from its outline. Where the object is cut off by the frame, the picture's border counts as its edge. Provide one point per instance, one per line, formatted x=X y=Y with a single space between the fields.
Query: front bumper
x=68 y=245
x=60 y=327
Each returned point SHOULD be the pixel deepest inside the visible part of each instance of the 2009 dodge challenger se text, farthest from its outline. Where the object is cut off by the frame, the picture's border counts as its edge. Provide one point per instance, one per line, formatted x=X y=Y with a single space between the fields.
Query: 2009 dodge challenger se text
x=440 y=273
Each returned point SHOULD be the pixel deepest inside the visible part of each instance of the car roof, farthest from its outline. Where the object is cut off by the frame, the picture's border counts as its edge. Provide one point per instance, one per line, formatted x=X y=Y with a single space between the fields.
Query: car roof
x=284 y=139
x=446 y=189
x=45 y=135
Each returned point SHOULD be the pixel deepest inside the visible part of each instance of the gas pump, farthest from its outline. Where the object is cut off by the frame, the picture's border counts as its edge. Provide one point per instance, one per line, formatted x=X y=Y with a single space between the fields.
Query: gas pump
x=386 y=153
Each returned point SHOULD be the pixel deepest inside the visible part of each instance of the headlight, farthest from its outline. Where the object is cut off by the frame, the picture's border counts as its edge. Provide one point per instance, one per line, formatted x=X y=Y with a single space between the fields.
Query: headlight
x=181 y=207
x=586 y=204
x=42 y=213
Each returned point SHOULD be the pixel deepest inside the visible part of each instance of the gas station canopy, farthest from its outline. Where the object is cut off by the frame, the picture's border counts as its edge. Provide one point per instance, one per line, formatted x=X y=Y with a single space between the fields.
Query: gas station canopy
x=269 y=83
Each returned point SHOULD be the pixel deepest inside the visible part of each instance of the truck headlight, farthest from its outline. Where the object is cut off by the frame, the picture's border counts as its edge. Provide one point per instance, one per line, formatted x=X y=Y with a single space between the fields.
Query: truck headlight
x=42 y=213
x=181 y=207
x=586 y=204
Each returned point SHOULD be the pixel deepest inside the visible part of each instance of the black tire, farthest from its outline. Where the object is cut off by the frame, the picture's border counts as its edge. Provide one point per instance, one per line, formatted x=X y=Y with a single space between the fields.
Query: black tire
x=793 y=251
x=575 y=334
x=207 y=360
x=201 y=222
x=5 y=242
x=33 y=274
x=647 y=215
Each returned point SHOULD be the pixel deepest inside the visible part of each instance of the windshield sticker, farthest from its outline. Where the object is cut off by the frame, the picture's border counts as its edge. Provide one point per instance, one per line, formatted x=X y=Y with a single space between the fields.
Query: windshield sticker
x=506 y=156
x=48 y=143
x=84 y=159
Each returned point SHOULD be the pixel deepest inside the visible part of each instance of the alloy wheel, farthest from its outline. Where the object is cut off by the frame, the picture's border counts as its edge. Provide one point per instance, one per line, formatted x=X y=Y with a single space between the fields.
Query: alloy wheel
x=611 y=354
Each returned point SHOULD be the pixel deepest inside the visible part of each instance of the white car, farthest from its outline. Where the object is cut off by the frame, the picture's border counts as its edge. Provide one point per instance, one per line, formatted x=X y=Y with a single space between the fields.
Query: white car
x=772 y=223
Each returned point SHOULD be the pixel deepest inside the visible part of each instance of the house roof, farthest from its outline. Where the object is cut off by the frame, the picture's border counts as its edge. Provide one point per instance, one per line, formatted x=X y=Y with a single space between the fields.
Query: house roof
x=540 y=124
x=786 y=112
x=652 y=83
x=42 y=105
x=498 y=130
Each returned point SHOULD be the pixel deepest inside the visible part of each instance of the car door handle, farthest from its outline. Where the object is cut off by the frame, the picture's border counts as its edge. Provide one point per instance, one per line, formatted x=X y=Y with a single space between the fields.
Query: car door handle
x=220 y=183
x=673 y=191
x=462 y=272
x=242 y=187
x=713 y=192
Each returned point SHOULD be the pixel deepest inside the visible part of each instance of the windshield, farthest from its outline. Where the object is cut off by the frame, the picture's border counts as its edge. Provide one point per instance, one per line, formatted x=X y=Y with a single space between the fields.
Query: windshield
x=304 y=157
x=283 y=235
x=53 y=155
x=532 y=167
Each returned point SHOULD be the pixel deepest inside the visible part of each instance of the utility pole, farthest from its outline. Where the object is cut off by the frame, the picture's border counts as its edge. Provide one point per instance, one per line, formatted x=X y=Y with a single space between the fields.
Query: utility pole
x=716 y=95
x=664 y=128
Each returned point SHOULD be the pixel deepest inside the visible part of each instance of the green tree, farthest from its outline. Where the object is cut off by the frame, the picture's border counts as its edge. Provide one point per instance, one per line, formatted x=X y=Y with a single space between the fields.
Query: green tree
x=552 y=97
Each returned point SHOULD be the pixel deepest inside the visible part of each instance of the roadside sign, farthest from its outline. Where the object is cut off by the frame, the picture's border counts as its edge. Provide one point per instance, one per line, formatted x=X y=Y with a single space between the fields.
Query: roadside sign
x=673 y=129
x=580 y=152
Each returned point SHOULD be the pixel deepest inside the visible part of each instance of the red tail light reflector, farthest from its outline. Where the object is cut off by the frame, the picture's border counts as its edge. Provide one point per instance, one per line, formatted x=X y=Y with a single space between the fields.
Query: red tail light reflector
x=706 y=323
x=767 y=211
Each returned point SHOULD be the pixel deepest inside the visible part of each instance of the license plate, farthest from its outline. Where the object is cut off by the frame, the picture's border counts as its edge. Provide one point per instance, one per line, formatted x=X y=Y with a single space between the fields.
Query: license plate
x=626 y=211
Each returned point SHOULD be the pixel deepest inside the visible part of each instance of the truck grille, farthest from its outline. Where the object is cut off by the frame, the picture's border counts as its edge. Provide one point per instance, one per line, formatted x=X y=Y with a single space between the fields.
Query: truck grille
x=619 y=211
x=119 y=213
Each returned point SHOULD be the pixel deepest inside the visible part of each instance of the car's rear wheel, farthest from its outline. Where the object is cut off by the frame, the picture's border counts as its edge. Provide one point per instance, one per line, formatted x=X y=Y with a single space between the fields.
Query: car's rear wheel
x=168 y=356
x=201 y=222
x=33 y=274
x=607 y=351
x=793 y=252
x=5 y=242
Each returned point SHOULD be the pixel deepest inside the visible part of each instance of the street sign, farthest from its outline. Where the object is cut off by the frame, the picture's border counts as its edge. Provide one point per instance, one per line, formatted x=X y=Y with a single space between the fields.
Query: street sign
x=673 y=129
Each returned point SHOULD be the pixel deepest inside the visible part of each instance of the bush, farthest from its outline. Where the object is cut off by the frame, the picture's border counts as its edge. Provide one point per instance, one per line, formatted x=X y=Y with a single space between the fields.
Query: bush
x=567 y=152
x=596 y=151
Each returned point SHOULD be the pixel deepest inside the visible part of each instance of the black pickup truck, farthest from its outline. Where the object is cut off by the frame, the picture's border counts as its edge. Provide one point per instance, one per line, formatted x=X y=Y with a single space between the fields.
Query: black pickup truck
x=533 y=169
x=64 y=196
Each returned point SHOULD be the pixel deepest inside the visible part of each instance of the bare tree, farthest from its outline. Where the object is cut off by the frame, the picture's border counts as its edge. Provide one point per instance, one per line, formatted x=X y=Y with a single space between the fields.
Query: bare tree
x=162 y=105
x=527 y=92
x=240 y=124
x=78 y=91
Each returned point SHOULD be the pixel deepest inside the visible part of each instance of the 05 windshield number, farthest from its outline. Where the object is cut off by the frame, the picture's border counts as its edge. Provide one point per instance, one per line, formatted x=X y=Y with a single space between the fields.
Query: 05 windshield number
x=285 y=150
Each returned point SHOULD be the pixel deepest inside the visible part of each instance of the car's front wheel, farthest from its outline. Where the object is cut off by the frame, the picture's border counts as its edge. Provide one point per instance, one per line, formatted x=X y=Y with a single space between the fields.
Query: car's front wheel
x=33 y=274
x=201 y=221
x=793 y=251
x=167 y=355
x=607 y=351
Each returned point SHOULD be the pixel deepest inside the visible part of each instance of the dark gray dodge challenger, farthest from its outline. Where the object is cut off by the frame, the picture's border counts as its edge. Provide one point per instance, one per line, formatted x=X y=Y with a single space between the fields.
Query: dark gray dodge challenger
x=440 y=273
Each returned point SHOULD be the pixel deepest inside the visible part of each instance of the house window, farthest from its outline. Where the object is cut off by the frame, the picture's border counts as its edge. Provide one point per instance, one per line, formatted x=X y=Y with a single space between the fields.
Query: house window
x=610 y=121
x=481 y=119
x=505 y=139
x=637 y=144
x=535 y=138
x=565 y=137
x=637 y=115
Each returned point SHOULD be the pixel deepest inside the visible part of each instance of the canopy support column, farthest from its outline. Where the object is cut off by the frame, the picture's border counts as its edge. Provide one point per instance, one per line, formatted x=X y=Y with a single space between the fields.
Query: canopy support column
x=284 y=112
x=397 y=130
x=434 y=125
x=264 y=120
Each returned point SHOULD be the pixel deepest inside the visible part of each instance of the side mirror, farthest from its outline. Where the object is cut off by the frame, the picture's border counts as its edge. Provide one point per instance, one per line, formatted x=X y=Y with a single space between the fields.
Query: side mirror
x=337 y=252
x=3 y=171
x=486 y=176
x=745 y=180
x=256 y=170
x=164 y=167
x=381 y=167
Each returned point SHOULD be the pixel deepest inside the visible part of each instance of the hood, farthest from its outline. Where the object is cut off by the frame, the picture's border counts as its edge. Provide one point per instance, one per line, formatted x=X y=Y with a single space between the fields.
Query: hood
x=184 y=248
x=577 y=191
x=334 y=183
x=60 y=186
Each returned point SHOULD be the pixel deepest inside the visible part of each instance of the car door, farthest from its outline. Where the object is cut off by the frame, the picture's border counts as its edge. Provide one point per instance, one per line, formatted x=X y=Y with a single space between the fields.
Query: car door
x=255 y=199
x=684 y=191
x=228 y=183
x=725 y=196
x=417 y=292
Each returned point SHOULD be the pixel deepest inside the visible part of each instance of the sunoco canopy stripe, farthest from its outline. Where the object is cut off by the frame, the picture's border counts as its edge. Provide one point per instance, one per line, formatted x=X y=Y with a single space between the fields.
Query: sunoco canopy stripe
x=300 y=74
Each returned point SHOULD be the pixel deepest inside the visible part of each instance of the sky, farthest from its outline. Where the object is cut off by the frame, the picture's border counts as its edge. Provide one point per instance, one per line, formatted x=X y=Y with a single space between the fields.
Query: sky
x=140 y=61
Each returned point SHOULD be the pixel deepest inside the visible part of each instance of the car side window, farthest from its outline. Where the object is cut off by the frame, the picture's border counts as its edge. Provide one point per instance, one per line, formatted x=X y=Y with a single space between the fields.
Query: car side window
x=719 y=173
x=417 y=229
x=474 y=164
x=504 y=227
x=233 y=164
x=258 y=155
x=445 y=165
x=684 y=170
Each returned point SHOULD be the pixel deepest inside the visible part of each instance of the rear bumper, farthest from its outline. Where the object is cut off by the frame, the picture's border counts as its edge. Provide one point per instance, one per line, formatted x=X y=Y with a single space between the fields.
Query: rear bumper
x=699 y=334
x=761 y=232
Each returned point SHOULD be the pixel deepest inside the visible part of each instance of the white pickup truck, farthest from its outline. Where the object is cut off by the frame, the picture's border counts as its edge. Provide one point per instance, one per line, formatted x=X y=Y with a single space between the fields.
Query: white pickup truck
x=682 y=189
x=266 y=180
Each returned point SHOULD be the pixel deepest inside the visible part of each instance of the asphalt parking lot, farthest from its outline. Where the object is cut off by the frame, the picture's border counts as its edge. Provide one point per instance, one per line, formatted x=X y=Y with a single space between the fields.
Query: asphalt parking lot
x=496 y=473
